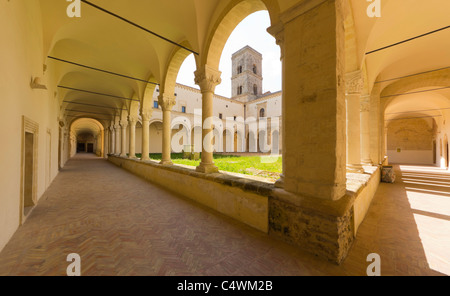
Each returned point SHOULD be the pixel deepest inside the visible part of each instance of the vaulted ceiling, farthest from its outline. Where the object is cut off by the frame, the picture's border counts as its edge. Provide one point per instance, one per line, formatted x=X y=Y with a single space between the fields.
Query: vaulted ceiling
x=102 y=41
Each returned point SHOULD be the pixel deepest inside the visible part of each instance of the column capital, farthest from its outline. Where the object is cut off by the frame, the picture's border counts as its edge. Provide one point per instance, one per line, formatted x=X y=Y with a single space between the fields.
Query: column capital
x=132 y=120
x=277 y=31
x=207 y=78
x=365 y=103
x=124 y=123
x=354 y=83
x=166 y=102
x=146 y=115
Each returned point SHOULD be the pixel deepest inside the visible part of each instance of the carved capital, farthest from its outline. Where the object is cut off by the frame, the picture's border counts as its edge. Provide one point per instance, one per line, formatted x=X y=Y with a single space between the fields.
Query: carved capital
x=124 y=124
x=277 y=31
x=354 y=82
x=146 y=115
x=166 y=102
x=207 y=78
x=132 y=120
x=365 y=103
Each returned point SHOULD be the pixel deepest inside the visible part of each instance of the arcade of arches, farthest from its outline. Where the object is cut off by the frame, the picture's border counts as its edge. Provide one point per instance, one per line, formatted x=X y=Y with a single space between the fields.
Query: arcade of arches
x=355 y=98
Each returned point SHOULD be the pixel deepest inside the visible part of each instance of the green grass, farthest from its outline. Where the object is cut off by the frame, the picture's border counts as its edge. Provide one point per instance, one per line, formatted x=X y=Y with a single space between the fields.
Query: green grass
x=248 y=165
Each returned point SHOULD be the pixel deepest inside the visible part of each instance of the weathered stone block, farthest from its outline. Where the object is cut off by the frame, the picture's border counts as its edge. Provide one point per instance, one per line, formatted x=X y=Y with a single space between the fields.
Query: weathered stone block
x=322 y=228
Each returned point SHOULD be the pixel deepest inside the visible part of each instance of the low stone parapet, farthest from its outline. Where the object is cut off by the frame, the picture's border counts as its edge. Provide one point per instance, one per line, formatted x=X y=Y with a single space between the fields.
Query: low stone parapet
x=325 y=228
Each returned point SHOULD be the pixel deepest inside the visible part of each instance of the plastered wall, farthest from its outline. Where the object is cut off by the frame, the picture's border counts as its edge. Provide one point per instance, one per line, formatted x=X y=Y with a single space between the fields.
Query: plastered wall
x=21 y=53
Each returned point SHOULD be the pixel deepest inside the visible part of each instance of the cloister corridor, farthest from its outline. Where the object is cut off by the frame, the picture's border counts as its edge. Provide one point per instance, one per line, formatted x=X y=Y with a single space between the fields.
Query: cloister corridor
x=122 y=225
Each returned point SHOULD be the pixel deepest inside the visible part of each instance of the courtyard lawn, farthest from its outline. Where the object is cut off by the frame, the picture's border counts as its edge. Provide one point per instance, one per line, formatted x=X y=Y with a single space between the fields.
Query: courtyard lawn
x=262 y=166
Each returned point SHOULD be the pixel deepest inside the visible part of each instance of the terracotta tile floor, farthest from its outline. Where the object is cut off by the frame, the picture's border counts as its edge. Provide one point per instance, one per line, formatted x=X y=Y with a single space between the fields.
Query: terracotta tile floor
x=121 y=225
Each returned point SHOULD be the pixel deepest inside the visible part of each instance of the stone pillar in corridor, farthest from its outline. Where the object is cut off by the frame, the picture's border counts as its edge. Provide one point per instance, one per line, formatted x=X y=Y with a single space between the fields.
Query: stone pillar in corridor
x=278 y=33
x=118 y=143
x=112 y=149
x=123 y=147
x=354 y=85
x=106 y=143
x=61 y=144
x=314 y=100
x=365 y=130
x=132 y=123
x=146 y=115
x=312 y=209
x=207 y=79
x=166 y=102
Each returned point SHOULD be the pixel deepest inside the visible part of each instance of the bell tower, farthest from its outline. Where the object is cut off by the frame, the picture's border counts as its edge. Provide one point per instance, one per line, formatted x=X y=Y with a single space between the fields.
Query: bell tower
x=246 y=80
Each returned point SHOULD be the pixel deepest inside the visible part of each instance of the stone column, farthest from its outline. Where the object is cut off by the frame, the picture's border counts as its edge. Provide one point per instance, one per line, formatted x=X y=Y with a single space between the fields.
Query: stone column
x=314 y=148
x=132 y=122
x=146 y=134
x=278 y=32
x=106 y=144
x=166 y=102
x=123 y=125
x=365 y=130
x=61 y=144
x=207 y=78
x=112 y=141
x=354 y=85
x=117 y=140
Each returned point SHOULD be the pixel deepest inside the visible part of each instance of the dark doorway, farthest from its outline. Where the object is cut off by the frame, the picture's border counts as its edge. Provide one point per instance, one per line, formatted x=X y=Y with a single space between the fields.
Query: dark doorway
x=28 y=190
x=447 y=160
x=81 y=147
x=90 y=148
x=434 y=152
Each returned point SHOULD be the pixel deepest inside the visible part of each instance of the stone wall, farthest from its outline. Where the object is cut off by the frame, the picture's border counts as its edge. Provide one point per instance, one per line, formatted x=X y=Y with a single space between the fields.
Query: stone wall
x=322 y=227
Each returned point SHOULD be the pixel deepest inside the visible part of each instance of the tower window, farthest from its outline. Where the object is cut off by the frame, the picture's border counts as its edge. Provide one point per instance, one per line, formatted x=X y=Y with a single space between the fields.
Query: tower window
x=239 y=70
x=183 y=109
x=255 y=89
x=255 y=69
x=239 y=90
x=262 y=113
x=155 y=104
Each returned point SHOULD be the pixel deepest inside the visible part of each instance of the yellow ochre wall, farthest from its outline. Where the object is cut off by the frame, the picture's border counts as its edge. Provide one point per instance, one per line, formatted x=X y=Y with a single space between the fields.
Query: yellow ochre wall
x=21 y=58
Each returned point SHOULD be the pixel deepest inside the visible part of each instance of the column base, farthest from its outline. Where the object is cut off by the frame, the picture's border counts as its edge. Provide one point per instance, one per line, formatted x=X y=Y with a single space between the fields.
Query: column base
x=208 y=168
x=367 y=162
x=355 y=168
x=166 y=162
x=145 y=158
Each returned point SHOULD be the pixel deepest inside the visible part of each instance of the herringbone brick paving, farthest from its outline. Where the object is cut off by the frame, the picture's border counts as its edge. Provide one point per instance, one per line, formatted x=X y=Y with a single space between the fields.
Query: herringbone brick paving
x=122 y=225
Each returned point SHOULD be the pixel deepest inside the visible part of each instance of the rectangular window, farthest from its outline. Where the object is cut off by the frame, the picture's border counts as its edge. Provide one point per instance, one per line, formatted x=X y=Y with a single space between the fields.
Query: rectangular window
x=155 y=104
x=235 y=118
x=220 y=115
x=183 y=109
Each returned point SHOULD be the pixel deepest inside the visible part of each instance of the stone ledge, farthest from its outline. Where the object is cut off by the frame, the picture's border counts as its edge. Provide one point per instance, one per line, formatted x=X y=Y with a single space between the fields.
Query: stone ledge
x=244 y=183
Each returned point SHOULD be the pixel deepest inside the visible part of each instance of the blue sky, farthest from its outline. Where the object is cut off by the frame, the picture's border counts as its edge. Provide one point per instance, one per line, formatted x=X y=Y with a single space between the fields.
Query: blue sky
x=251 y=31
